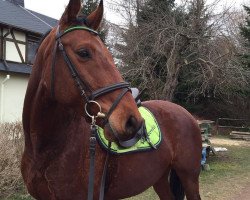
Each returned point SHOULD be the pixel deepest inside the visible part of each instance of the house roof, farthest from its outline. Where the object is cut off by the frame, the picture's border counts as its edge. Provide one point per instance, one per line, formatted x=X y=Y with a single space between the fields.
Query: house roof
x=24 y=19
x=16 y=68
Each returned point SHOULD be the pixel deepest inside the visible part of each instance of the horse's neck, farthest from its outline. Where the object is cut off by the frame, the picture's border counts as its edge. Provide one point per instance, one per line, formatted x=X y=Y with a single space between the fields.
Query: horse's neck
x=49 y=127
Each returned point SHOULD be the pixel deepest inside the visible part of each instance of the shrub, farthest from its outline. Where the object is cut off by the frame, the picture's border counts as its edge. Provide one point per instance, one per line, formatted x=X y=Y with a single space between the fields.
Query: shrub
x=11 y=147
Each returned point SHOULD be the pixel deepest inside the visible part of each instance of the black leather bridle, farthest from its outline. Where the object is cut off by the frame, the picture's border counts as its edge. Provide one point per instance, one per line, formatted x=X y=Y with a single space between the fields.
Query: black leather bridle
x=88 y=99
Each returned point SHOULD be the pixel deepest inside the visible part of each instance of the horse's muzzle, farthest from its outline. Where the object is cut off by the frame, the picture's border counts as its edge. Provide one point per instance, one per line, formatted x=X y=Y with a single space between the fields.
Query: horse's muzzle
x=132 y=141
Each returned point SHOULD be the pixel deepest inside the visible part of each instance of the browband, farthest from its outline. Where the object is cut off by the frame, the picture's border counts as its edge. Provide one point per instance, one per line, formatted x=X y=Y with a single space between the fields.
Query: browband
x=85 y=28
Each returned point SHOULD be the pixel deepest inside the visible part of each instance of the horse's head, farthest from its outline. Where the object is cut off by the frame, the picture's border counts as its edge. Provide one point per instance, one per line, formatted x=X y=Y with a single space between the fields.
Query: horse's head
x=79 y=71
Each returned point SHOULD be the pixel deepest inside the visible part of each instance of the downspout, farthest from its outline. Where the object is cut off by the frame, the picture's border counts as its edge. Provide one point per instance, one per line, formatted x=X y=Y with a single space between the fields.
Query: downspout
x=2 y=99
x=3 y=82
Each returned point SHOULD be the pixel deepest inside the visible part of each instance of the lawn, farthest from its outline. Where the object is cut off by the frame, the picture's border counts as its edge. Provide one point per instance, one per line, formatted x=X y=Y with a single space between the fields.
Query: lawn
x=228 y=176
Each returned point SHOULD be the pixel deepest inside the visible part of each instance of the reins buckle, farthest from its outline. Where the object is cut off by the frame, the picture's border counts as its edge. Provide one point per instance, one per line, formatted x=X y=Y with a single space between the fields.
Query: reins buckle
x=92 y=142
x=60 y=46
x=92 y=145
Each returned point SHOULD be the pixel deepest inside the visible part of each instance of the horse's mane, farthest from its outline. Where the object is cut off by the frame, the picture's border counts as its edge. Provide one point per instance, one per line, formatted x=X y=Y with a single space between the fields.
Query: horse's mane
x=33 y=85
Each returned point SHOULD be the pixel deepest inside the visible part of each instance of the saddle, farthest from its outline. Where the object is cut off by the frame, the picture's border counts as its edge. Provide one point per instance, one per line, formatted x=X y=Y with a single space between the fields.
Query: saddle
x=136 y=95
x=150 y=140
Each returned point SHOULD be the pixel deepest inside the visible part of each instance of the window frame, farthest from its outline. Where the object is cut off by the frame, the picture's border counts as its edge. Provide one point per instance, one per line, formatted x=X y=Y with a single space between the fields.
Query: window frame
x=1 y=43
x=18 y=42
x=31 y=38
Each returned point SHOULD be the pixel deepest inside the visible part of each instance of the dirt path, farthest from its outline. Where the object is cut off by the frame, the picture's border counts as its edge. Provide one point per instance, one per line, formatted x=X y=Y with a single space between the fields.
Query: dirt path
x=229 y=142
x=244 y=194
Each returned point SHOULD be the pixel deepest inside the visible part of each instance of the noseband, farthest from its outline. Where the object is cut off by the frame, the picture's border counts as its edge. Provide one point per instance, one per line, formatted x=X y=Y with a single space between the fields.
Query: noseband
x=83 y=87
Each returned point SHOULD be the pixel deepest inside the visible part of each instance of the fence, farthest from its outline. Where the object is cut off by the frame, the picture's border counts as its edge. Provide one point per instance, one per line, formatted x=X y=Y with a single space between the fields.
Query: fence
x=232 y=124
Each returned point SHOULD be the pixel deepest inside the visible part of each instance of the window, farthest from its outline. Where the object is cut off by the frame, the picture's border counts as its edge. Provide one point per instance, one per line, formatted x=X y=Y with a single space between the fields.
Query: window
x=1 y=44
x=17 y=46
x=33 y=43
x=14 y=46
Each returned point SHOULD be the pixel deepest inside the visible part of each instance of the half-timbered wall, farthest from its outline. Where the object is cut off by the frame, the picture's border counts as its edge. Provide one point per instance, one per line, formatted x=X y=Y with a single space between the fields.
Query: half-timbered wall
x=16 y=46
x=19 y=41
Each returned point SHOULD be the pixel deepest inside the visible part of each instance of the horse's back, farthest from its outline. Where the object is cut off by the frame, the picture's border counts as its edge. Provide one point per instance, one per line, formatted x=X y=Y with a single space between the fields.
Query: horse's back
x=179 y=129
x=172 y=116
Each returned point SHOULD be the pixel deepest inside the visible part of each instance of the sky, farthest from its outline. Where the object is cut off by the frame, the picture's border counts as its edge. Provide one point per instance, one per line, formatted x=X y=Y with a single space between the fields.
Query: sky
x=55 y=8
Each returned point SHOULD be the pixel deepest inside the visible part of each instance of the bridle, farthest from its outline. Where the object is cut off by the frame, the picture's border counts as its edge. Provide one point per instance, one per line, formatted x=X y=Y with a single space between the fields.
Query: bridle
x=82 y=86
x=91 y=99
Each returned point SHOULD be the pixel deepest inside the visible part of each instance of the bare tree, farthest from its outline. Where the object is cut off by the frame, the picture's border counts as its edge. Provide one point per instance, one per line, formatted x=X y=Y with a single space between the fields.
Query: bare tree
x=189 y=42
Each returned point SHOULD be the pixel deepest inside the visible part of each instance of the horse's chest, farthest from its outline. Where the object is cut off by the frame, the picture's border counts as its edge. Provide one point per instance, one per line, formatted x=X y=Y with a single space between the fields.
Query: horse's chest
x=112 y=172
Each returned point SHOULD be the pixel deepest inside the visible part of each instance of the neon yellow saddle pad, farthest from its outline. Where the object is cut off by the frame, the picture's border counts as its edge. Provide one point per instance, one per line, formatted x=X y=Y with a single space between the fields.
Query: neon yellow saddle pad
x=152 y=130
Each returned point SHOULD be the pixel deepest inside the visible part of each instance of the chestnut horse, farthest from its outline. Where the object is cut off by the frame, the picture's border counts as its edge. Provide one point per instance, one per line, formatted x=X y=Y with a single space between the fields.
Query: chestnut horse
x=55 y=162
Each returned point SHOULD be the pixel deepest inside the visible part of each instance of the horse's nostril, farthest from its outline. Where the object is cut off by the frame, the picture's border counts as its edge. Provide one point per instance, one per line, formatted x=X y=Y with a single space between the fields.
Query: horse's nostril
x=131 y=125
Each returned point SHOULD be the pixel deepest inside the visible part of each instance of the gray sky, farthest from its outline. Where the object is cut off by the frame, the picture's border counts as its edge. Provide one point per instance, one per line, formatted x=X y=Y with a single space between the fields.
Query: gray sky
x=55 y=8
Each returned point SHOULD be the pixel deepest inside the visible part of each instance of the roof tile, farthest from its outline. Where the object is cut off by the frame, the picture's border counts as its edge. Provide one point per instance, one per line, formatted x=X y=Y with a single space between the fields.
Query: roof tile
x=19 y=17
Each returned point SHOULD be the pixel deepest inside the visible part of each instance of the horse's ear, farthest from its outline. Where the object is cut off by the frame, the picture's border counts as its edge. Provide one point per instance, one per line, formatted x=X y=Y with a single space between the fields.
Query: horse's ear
x=95 y=18
x=71 y=12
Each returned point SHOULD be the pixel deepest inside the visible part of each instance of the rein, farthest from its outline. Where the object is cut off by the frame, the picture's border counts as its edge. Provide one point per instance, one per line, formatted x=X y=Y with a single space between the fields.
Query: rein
x=90 y=100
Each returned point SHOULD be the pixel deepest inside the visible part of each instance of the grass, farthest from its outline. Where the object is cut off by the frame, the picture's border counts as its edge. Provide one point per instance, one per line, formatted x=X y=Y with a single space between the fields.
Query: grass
x=19 y=197
x=229 y=174
x=149 y=194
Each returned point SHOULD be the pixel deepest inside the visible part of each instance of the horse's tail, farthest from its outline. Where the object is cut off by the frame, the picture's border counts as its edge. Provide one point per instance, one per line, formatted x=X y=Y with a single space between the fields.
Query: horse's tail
x=176 y=186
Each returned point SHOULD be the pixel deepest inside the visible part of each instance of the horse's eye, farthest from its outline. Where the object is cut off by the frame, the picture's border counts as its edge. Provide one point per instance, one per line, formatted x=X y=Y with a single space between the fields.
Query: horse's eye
x=84 y=53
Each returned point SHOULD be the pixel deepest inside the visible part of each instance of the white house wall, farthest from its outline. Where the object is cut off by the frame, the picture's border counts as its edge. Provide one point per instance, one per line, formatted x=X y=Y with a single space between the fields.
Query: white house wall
x=12 y=96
